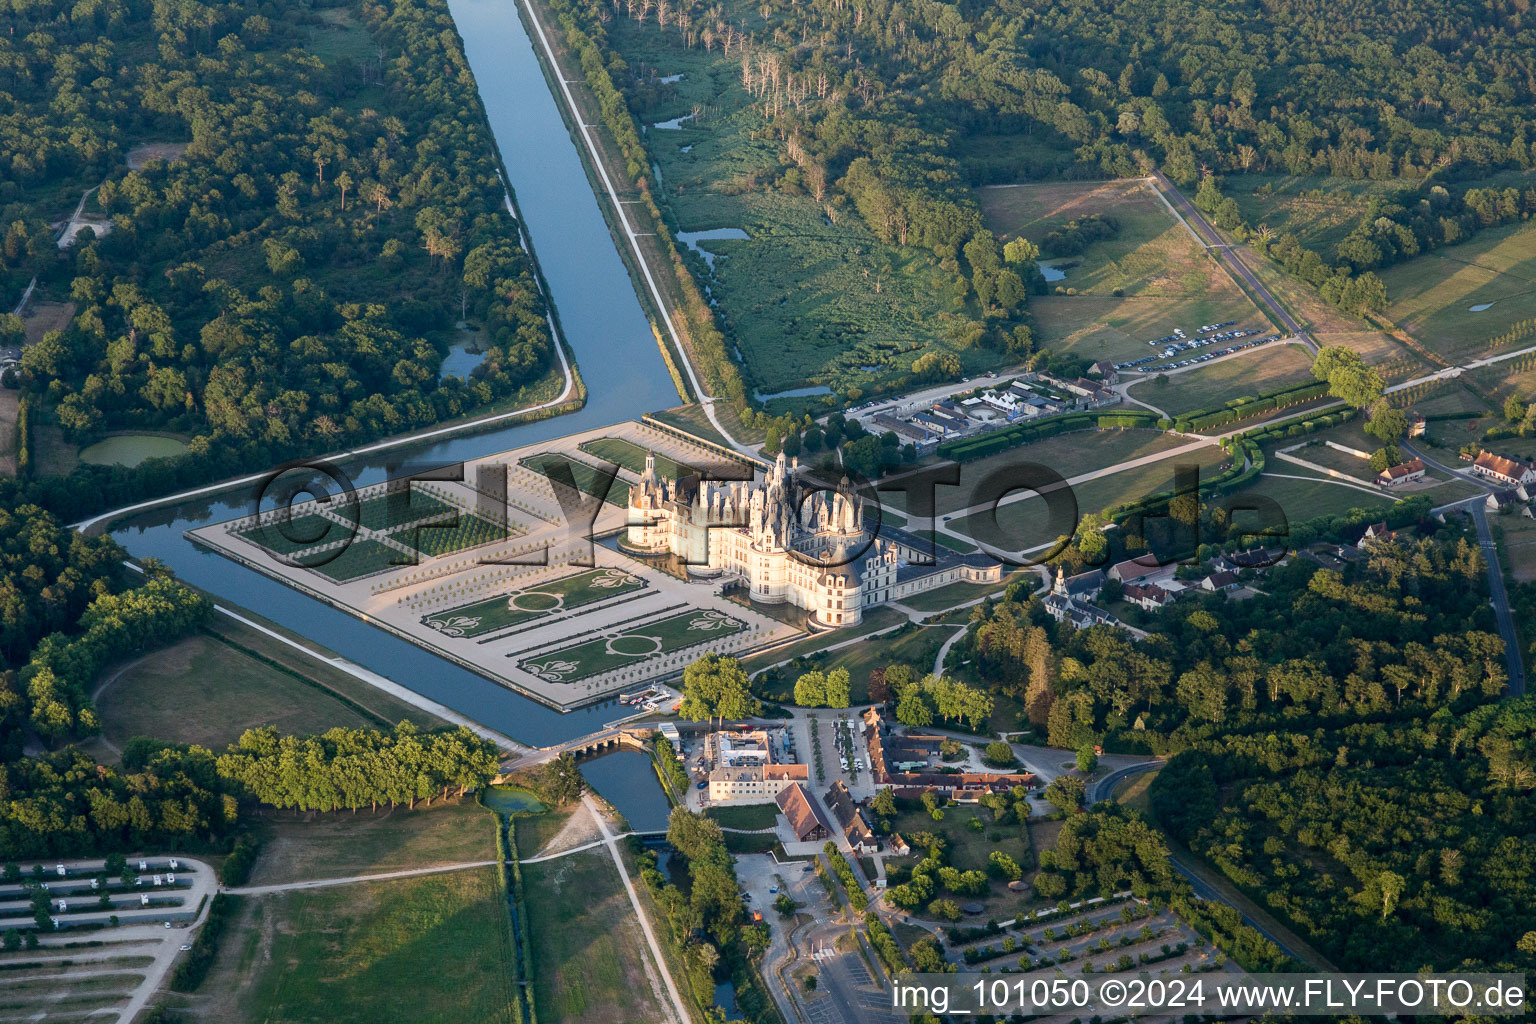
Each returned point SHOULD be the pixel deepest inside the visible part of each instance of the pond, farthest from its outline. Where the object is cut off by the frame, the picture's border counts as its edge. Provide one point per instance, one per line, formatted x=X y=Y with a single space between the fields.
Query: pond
x=1479 y=307
x=819 y=389
x=693 y=240
x=1051 y=273
x=627 y=779
x=461 y=359
x=131 y=449
x=507 y=800
x=673 y=125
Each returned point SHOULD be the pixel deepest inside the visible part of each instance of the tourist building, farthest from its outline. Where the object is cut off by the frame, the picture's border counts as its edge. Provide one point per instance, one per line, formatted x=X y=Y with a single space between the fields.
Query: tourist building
x=788 y=544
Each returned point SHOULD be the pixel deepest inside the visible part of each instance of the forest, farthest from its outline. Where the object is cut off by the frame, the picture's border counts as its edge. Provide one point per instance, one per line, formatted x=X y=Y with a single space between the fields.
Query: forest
x=895 y=109
x=290 y=283
x=1338 y=748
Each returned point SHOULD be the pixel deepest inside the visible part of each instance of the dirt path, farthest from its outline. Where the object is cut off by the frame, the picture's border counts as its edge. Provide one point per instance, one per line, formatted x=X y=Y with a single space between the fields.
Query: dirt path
x=325 y=883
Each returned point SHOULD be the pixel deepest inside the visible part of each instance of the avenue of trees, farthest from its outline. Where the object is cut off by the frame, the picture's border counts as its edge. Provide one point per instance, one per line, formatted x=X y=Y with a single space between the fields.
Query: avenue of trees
x=291 y=283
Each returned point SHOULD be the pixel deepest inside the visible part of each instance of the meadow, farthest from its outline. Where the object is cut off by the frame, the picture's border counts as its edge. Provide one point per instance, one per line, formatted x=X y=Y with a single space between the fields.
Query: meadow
x=205 y=691
x=433 y=948
x=1432 y=297
x=590 y=963
x=1151 y=277
x=1266 y=369
x=810 y=297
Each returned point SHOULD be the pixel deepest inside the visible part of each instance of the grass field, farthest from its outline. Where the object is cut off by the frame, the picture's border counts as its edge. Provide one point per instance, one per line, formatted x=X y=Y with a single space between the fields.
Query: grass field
x=1431 y=296
x=563 y=594
x=302 y=846
x=631 y=646
x=1165 y=279
x=1268 y=369
x=590 y=963
x=204 y=691
x=1027 y=523
x=434 y=948
x=1517 y=545
x=1071 y=454
x=586 y=478
x=631 y=456
x=1301 y=500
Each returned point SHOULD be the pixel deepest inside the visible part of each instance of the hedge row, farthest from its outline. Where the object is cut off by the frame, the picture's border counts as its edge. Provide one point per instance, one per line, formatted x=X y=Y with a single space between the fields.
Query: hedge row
x=1232 y=412
x=967 y=448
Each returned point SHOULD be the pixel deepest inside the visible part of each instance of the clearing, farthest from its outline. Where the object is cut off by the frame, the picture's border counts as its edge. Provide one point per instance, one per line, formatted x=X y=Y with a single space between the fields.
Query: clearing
x=1432 y=297
x=1149 y=278
x=205 y=691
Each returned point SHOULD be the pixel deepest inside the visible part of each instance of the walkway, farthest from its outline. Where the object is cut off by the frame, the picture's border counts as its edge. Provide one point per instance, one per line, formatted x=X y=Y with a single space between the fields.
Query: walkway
x=325 y=883
x=609 y=840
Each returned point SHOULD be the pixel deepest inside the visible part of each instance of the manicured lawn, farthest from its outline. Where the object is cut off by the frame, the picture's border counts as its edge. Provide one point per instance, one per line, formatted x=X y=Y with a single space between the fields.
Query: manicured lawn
x=631 y=646
x=204 y=691
x=470 y=531
x=1267 y=369
x=586 y=478
x=362 y=557
x=435 y=948
x=589 y=955
x=745 y=816
x=874 y=619
x=302 y=532
x=1026 y=523
x=946 y=541
x=533 y=602
x=631 y=456
x=1301 y=500
x=301 y=846
x=1081 y=451
x=386 y=511
x=1431 y=296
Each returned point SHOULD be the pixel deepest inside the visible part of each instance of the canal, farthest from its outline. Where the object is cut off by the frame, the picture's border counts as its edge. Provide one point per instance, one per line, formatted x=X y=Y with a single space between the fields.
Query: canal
x=604 y=325
x=627 y=780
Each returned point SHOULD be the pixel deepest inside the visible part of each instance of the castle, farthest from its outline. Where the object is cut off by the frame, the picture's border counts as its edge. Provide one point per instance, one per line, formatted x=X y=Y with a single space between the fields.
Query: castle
x=810 y=549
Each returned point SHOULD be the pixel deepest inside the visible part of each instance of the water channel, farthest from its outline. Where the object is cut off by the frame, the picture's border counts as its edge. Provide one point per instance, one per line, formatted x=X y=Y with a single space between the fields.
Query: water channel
x=604 y=325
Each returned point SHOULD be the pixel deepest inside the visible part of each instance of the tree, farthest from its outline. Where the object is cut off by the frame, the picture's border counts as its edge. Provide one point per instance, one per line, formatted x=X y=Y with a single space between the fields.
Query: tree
x=912 y=711
x=1389 y=425
x=1000 y=755
x=1021 y=250
x=716 y=686
x=837 y=695
x=558 y=782
x=1066 y=792
x=1514 y=409
x=1348 y=376
x=884 y=803
x=811 y=690
x=1087 y=760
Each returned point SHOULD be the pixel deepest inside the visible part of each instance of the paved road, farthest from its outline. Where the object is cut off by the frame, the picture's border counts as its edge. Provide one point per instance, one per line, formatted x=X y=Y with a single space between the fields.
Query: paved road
x=1212 y=240
x=1500 y=599
x=1102 y=789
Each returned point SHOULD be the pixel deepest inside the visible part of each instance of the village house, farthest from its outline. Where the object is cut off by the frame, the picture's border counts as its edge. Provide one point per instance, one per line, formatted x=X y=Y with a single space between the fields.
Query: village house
x=1149 y=596
x=1405 y=473
x=804 y=817
x=850 y=817
x=1509 y=472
